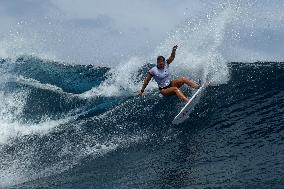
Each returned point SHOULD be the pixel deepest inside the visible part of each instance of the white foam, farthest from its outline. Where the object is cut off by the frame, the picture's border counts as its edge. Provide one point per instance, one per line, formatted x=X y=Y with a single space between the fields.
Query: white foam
x=12 y=105
x=39 y=85
x=11 y=110
x=13 y=129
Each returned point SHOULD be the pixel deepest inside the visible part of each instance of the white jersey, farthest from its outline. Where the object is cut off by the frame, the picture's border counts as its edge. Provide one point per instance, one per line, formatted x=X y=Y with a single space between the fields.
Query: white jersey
x=161 y=76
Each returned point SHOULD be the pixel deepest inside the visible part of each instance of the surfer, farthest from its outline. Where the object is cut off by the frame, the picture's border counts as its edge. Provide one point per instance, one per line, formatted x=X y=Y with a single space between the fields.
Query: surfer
x=161 y=75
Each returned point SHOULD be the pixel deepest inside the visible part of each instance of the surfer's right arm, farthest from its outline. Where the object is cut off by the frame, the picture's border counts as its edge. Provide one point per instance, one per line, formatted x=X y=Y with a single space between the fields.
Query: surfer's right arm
x=146 y=81
x=173 y=54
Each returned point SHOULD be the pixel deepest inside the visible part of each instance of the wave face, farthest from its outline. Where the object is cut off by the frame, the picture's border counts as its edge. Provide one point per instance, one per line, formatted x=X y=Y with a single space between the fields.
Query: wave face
x=78 y=126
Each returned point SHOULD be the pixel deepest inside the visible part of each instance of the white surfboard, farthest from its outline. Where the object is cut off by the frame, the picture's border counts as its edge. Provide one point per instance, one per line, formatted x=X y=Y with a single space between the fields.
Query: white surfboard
x=186 y=110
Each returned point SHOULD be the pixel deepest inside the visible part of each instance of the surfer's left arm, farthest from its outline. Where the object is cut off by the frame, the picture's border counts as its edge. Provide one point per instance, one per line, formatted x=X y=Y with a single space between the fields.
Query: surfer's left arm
x=173 y=54
x=145 y=83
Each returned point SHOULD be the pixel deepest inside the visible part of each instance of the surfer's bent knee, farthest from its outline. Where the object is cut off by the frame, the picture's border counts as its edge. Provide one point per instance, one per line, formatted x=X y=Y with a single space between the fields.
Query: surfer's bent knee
x=175 y=89
x=167 y=92
x=183 y=79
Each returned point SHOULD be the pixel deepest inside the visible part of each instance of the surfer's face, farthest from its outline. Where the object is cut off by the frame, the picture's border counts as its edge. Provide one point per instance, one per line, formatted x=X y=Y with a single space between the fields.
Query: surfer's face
x=160 y=63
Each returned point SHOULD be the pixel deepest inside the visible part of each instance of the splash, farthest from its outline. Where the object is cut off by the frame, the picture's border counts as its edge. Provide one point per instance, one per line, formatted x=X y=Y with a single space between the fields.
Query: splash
x=199 y=55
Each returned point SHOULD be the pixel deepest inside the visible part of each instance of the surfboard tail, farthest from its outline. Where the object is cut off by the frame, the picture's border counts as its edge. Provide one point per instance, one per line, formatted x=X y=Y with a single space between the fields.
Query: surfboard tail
x=188 y=108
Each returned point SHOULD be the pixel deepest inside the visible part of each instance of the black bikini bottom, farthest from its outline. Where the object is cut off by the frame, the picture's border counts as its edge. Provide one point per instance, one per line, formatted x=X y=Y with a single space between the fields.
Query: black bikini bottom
x=169 y=86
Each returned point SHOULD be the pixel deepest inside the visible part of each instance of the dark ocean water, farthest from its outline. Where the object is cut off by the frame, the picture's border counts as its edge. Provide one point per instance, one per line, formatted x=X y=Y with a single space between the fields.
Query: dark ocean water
x=54 y=137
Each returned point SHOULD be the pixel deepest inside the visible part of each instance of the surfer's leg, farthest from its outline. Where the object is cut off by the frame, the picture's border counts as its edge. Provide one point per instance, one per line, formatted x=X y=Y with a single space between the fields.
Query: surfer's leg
x=176 y=91
x=183 y=80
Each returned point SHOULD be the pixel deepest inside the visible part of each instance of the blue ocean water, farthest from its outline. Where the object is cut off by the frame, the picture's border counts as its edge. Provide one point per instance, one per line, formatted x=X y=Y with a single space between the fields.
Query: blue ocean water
x=59 y=129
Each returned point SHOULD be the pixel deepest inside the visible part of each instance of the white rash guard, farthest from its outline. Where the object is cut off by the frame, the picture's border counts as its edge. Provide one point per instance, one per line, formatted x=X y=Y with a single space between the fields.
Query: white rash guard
x=161 y=76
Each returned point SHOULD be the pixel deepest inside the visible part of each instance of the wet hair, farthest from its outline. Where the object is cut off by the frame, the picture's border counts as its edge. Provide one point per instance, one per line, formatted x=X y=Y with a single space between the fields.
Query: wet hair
x=161 y=58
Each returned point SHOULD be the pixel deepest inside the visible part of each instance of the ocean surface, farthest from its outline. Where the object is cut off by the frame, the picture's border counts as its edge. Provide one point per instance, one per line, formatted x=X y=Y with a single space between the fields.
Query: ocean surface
x=73 y=126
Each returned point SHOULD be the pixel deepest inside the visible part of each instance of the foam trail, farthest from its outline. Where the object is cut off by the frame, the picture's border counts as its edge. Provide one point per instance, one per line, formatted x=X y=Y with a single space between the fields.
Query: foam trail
x=39 y=85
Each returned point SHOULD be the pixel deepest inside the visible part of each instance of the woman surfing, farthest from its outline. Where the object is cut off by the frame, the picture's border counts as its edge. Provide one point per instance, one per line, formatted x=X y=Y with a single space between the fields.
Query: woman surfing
x=161 y=73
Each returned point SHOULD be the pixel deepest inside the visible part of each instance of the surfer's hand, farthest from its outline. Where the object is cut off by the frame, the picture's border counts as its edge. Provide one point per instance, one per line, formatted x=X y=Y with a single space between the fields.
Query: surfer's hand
x=175 y=47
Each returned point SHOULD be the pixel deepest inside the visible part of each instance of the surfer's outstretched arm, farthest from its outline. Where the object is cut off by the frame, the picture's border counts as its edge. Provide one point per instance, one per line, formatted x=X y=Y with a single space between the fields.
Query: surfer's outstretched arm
x=173 y=54
x=146 y=81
